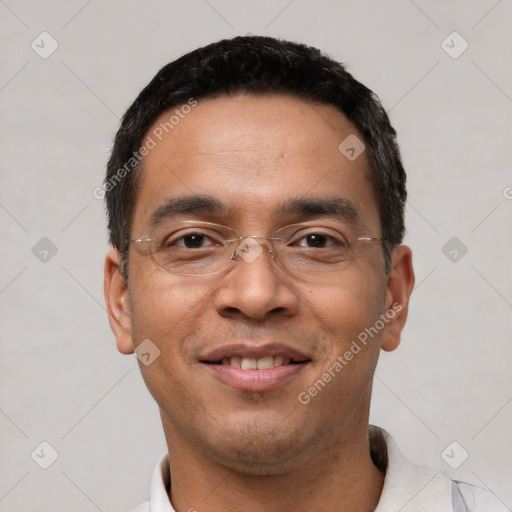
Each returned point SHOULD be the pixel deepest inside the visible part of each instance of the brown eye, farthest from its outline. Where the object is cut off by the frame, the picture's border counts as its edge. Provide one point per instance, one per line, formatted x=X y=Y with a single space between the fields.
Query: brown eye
x=190 y=241
x=316 y=240
x=193 y=241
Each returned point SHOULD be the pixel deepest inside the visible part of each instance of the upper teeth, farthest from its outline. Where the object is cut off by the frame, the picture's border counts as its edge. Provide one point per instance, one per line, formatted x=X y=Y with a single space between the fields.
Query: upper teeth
x=250 y=363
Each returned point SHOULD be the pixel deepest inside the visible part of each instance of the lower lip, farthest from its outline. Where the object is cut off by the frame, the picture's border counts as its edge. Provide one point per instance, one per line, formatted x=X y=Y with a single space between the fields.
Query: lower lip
x=256 y=380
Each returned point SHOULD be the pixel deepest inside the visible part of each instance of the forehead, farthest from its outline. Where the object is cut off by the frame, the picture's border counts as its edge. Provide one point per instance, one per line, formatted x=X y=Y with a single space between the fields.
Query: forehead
x=253 y=153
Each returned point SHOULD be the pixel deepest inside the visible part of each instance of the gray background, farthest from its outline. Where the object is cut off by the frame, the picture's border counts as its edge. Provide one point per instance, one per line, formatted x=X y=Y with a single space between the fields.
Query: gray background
x=61 y=378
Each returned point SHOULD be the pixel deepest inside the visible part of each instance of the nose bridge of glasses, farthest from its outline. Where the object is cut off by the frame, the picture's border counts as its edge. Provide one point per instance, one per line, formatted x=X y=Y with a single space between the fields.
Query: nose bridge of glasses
x=250 y=247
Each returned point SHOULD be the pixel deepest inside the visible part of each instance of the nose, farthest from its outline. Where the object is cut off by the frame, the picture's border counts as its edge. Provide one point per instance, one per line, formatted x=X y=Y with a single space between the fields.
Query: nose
x=255 y=288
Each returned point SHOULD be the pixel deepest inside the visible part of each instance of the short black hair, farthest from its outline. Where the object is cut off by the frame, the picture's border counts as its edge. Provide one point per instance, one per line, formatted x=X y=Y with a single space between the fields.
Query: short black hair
x=257 y=65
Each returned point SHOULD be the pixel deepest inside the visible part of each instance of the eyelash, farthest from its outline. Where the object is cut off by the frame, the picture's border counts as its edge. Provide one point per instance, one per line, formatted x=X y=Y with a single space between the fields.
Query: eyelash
x=175 y=242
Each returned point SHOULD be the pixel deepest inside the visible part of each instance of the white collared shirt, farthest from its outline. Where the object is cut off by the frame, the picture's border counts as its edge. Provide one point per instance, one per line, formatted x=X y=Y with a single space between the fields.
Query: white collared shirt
x=407 y=487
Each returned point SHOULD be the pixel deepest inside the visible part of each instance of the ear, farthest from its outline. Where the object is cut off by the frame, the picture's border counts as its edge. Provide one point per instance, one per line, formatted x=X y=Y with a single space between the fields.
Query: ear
x=117 y=301
x=398 y=290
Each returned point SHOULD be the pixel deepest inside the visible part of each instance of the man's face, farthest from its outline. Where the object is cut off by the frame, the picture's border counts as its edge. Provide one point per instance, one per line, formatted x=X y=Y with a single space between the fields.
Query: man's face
x=253 y=155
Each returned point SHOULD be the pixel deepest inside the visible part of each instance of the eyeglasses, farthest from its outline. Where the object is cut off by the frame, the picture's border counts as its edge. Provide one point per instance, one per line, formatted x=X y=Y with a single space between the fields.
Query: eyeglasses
x=199 y=248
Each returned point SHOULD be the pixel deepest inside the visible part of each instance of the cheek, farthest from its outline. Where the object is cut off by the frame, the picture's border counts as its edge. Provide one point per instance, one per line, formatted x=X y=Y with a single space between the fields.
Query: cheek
x=344 y=310
x=345 y=304
x=164 y=307
x=166 y=312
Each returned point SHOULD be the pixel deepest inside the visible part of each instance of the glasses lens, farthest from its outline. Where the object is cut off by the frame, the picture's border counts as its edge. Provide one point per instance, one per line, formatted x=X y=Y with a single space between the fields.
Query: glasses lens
x=204 y=248
x=316 y=250
x=190 y=249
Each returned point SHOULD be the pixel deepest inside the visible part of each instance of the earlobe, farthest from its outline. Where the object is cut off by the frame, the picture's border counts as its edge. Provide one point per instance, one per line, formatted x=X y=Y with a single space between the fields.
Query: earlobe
x=117 y=302
x=399 y=288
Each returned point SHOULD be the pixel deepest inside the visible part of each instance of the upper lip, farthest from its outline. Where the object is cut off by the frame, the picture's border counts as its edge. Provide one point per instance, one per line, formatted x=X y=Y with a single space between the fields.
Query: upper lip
x=255 y=352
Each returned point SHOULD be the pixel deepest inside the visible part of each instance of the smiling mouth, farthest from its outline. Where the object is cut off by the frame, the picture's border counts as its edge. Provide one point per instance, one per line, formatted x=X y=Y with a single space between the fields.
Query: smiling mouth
x=261 y=363
x=248 y=367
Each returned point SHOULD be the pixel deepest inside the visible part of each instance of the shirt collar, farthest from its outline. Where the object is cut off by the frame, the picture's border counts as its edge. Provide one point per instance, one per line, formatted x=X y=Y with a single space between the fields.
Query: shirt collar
x=409 y=487
x=160 y=484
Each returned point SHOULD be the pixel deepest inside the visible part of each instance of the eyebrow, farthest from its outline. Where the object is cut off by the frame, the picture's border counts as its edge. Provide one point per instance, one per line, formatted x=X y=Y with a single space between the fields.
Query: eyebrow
x=334 y=206
x=187 y=205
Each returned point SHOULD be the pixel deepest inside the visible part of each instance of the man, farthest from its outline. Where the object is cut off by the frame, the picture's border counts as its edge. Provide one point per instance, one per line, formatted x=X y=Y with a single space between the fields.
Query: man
x=256 y=198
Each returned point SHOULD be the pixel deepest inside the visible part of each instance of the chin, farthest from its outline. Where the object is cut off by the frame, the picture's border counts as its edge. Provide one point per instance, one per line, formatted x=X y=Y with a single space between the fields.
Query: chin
x=262 y=451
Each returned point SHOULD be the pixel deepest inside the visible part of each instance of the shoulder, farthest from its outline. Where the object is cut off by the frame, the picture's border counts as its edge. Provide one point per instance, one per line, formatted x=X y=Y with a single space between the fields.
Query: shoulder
x=469 y=498
x=413 y=488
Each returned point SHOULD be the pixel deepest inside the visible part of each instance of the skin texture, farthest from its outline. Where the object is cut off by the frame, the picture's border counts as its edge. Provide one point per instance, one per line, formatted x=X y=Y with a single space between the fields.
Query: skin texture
x=261 y=450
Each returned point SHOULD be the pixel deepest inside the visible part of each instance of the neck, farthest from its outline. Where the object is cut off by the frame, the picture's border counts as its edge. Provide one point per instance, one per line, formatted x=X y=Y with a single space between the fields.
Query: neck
x=341 y=477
